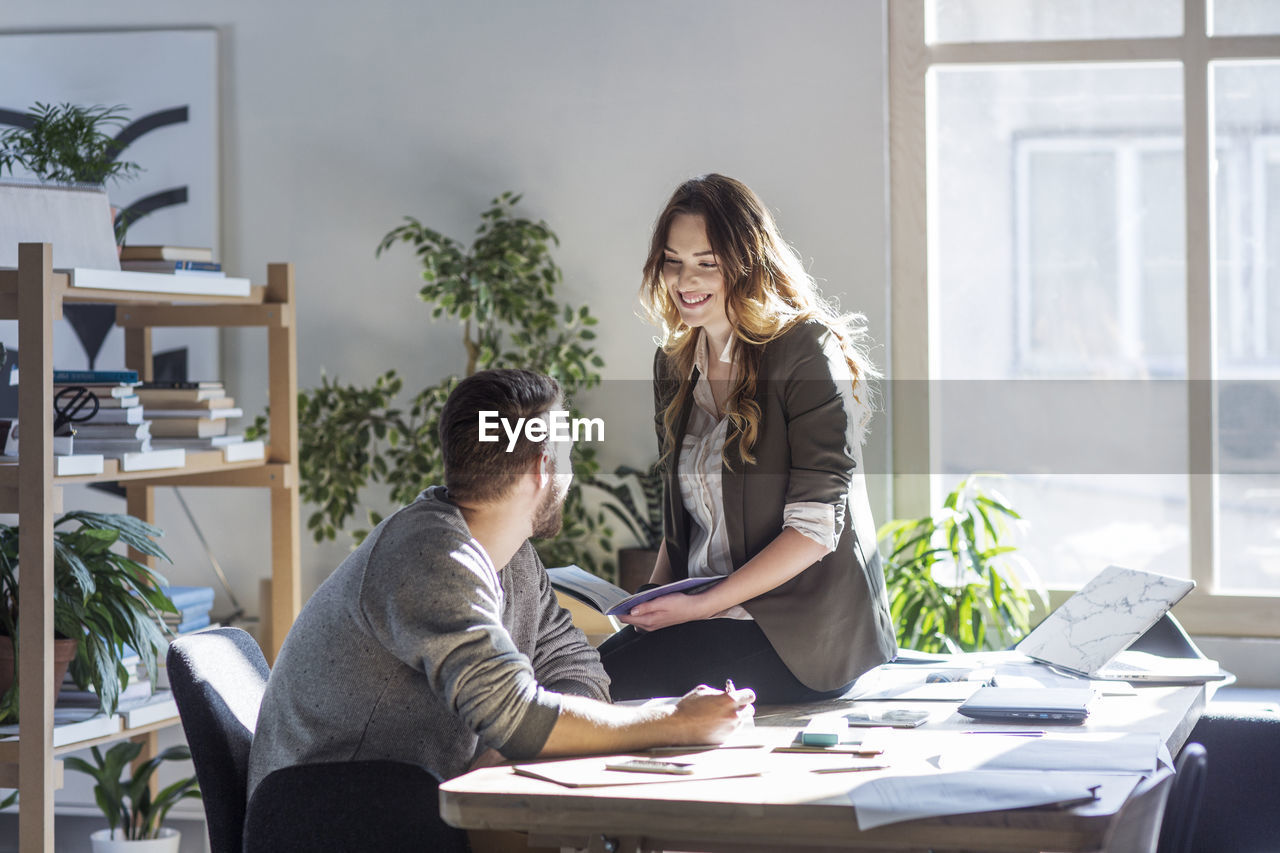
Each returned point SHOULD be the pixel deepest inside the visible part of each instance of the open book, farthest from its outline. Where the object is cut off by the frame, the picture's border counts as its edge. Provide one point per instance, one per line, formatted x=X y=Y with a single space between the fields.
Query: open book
x=614 y=600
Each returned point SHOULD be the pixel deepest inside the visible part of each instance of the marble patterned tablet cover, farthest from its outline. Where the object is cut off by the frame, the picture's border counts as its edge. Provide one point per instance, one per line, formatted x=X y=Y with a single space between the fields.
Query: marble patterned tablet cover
x=1103 y=618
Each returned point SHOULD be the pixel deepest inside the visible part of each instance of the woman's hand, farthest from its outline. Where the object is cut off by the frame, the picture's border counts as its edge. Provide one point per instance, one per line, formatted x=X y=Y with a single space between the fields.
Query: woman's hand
x=667 y=610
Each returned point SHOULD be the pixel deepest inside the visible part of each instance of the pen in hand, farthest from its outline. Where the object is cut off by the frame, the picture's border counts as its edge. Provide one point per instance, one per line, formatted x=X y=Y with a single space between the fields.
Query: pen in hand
x=728 y=685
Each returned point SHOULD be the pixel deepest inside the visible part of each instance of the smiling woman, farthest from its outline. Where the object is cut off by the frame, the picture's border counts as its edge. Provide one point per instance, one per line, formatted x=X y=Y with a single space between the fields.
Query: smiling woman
x=761 y=400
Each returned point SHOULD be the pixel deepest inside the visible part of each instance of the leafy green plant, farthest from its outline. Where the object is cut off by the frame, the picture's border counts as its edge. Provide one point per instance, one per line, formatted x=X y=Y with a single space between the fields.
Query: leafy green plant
x=128 y=803
x=953 y=578
x=642 y=520
x=68 y=143
x=501 y=290
x=103 y=599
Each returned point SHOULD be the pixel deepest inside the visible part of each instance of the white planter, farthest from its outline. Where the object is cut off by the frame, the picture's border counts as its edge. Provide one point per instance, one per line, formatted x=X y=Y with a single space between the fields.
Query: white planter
x=167 y=842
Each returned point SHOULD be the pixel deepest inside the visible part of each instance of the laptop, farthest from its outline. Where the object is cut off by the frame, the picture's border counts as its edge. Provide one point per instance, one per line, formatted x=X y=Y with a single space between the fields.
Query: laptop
x=1055 y=705
x=1087 y=635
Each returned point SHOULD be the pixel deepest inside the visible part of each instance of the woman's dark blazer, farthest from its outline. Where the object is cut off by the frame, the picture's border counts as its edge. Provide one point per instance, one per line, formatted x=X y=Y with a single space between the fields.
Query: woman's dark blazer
x=830 y=623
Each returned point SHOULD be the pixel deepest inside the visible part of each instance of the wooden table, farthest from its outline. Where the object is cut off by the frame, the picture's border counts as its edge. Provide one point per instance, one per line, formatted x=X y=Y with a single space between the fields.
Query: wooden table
x=789 y=808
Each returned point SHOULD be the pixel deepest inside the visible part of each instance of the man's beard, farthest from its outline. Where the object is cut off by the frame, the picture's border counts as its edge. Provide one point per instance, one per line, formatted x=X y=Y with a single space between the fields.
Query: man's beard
x=549 y=517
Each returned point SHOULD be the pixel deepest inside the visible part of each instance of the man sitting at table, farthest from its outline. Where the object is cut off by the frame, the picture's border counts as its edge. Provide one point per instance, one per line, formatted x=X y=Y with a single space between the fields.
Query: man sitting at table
x=439 y=640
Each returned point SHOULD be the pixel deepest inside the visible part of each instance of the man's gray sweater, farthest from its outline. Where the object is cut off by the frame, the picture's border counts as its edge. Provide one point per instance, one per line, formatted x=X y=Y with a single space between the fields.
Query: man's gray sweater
x=418 y=649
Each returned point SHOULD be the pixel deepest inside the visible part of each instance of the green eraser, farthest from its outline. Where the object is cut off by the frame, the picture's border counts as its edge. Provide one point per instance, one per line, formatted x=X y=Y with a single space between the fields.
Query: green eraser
x=819 y=738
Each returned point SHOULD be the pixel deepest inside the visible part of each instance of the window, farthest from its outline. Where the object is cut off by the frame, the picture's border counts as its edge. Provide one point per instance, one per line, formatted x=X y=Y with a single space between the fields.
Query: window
x=1086 y=269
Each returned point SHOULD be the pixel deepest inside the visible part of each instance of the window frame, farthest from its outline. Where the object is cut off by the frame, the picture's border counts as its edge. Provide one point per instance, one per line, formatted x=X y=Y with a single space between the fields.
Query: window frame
x=913 y=305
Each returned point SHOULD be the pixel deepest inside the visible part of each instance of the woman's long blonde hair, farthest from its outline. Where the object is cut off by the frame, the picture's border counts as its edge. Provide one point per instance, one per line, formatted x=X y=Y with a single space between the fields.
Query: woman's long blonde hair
x=767 y=291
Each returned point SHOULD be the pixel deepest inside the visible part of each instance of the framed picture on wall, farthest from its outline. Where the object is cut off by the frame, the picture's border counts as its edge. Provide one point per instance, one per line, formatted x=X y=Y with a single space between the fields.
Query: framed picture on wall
x=166 y=81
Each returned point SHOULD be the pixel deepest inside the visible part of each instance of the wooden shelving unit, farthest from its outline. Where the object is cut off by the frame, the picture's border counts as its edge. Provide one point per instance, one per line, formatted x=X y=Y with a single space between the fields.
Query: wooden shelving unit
x=34 y=295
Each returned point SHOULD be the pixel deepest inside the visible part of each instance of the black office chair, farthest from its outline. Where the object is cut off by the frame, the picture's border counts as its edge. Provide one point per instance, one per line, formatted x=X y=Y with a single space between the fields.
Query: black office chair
x=356 y=806
x=1182 y=808
x=218 y=678
x=1239 y=809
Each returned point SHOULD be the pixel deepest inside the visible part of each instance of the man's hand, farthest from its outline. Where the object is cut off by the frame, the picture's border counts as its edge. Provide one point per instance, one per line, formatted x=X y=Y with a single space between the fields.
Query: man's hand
x=668 y=610
x=702 y=716
x=488 y=758
x=706 y=715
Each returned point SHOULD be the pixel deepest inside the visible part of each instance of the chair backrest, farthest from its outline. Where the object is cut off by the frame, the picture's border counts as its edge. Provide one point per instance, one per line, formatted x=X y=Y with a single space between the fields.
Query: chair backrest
x=218 y=678
x=1182 y=809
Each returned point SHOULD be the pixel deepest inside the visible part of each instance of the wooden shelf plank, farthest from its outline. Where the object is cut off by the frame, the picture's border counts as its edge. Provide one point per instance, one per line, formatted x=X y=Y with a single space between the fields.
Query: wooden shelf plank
x=198 y=463
x=147 y=297
x=145 y=316
x=62 y=289
x=9 y=748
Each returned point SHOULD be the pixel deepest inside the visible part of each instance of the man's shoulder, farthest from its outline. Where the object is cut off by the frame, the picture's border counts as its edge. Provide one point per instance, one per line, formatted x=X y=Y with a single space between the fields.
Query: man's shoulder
x=430 y=527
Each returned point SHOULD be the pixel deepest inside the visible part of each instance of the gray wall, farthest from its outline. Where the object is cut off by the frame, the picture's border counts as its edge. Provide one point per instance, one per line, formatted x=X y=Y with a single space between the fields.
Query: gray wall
x=340 y=118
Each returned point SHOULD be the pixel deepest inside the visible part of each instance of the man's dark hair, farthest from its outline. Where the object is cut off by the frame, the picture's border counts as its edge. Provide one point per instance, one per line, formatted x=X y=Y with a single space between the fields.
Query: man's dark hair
x=484 y=471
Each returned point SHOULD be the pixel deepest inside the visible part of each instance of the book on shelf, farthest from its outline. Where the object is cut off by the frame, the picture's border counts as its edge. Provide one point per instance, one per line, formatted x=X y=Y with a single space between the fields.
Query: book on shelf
x=203 y=407
x=154 y=252
x=613 y=600
x=95 y=377
x=122 y=401
x=245 y=451
x=158 y=413
x=189 y=596
x=92 y=429
x=78 y=464
x=188 y=427
x=72 y=725
x=187 y=613
x=156 y=707
x=183 y=384
x=113 y=447
x=192 y=623
x=154 y=282
x=212 y=442
x=155 y=398
x=175 y=267
x=114 y=415
x=106 y=392
x=71 y=465
x=149 y=460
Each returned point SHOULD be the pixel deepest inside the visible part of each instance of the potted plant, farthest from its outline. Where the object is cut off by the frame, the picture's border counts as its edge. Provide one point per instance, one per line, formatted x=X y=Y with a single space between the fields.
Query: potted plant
x=501 y=290
x=953 y=579
x=135 y=816
x=102 y=601
x=642 y=519
x=66 y=143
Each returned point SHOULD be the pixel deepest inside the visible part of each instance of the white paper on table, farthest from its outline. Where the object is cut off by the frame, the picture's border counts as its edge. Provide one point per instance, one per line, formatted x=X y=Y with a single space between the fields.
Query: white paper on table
x=893 y=799
x=1101 y=752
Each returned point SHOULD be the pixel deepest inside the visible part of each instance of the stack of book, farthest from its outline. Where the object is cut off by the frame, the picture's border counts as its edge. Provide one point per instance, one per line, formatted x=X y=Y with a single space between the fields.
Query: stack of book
x=119 y=429
x=195 y=416
x=176 y=260
x=193 y=603
x=163 y=269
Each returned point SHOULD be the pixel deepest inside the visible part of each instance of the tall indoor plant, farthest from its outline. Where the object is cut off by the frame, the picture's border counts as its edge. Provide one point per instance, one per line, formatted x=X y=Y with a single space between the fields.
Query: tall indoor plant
x=102 y=599
x=67 y=143
x=134 y=814
x=501 y=290
x=954 y=581
x=642 y=519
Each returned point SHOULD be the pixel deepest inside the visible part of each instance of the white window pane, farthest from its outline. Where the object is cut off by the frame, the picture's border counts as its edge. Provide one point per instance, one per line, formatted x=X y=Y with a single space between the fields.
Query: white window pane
x=1246 y=109
x=1040 y=20
x=1244 y=17
x=1057 y=205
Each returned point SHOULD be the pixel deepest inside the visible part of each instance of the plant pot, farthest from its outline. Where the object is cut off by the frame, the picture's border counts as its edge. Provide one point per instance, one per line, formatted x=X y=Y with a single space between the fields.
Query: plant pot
x=167 y=842
x=635 y=567
x=64 y=651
